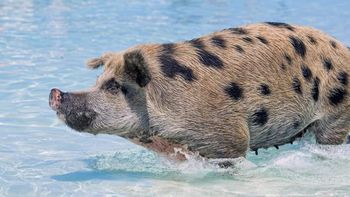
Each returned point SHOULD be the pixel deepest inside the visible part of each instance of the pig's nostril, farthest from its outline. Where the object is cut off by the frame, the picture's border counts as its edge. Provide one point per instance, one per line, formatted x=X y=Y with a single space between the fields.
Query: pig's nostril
x=55 y=98
x=55 y=90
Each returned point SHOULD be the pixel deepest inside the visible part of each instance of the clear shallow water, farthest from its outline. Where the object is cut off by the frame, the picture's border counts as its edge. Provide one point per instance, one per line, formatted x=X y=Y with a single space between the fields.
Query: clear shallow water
x=44 y=44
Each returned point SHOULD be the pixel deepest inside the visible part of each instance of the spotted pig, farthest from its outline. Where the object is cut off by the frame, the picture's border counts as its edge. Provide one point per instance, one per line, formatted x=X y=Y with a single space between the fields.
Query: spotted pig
x=220 y=95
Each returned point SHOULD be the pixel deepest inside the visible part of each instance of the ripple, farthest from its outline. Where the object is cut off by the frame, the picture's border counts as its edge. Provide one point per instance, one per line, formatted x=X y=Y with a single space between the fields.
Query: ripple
x=45 y=44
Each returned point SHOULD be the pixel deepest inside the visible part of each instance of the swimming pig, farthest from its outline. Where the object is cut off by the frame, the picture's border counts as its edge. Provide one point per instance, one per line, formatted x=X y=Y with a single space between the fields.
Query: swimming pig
x=250 y=87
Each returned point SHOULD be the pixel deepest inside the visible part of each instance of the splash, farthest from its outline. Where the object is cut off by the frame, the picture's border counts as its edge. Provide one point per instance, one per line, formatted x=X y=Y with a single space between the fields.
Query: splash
x=150 y=164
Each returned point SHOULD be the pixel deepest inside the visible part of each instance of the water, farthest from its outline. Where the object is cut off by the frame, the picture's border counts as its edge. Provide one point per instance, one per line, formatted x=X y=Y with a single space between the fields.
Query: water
x=44 y=44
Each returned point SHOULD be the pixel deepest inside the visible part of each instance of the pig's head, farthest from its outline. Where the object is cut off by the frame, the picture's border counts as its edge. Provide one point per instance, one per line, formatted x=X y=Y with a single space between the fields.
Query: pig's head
x=116 y=104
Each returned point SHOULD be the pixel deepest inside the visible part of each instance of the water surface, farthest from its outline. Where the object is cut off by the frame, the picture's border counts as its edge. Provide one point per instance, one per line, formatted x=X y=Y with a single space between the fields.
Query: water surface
x=44 y=44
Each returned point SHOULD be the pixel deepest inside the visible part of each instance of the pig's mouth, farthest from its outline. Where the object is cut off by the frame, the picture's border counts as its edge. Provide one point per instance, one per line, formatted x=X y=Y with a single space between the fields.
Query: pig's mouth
x=75 y=114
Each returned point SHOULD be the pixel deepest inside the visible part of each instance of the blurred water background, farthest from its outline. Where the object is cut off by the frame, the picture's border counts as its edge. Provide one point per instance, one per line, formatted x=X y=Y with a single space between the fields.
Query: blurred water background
x=44 y=44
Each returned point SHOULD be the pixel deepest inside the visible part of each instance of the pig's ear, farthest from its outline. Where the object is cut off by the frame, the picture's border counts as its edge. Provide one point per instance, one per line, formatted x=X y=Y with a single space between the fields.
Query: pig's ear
x=99 y=61
x=136 y=68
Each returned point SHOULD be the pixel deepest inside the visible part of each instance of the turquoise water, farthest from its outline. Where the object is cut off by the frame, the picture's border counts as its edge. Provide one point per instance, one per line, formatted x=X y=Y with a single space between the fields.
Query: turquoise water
x=44 y=44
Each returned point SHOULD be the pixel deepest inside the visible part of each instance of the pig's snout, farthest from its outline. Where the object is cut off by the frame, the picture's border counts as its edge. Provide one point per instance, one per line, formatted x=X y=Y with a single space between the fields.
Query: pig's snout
x=55 y=98
x=72 y=108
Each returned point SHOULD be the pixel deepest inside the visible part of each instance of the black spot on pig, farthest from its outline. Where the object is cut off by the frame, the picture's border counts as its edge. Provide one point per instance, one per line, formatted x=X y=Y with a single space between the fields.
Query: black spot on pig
x=337 y=96
x=333 y=44
x=171 y=67
x=298 y=45
x=264 y=89
x=260 y=117
x=262 y=39
x=327 y=63
x=234 y=91
x=296 y=85
x=343 y=78
x=238 y=30
x=218 y=41
x=307 y=74
x=205 y=57
x=239 y=49
x=247 y=40
x=281 y=25
x=312 y=40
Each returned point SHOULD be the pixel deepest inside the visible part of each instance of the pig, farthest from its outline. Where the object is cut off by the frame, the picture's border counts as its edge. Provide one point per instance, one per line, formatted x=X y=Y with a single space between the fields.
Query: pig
x=221 y=95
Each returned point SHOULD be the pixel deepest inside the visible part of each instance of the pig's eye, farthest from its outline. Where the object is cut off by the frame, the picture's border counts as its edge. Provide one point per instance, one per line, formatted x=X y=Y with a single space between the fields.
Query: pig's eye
x=112 y=86
x=124 y=90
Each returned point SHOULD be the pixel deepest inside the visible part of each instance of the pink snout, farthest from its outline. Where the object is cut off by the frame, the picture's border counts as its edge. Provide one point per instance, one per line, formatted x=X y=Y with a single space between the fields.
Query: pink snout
x=55 y=98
